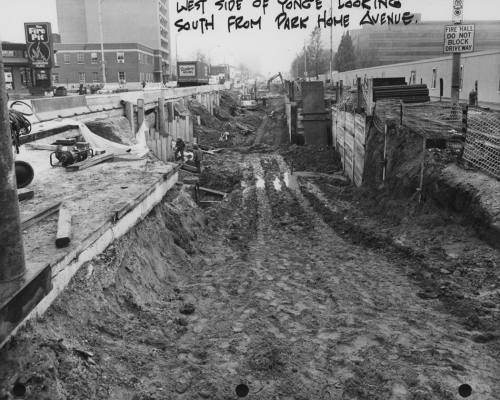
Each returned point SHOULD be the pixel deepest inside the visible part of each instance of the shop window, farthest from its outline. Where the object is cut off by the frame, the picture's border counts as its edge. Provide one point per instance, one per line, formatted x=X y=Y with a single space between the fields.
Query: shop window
x=67 y=58
x=25 y=77
x=93 y=58
x=79 y=58
x=81 y=77
x=95 y=77
x=434 y=78
x=120 y=57
x=122 y=77
x=55 y=79
x=9 y=78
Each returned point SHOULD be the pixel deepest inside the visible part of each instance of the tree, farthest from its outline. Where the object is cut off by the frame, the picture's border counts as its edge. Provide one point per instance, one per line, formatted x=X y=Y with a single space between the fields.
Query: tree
x=199 y=55
x=345 y=59
x=317 y=57
x=366 y=58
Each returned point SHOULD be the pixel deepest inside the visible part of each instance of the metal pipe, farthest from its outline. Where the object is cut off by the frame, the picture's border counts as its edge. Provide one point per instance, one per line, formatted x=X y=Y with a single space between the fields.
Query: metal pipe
x=455 y=79
x=12 y=262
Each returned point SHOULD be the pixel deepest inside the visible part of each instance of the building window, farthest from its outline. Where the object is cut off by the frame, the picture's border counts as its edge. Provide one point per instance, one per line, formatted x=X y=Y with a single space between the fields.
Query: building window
x=434 y=78
x=25 y=77
x=81 y=76
x=499 y=78
x=55 y=79
x=140 y=58
x=461 y=76
x=9 y=78
x=120 y=57
x=95 y=77
x=79 y=58
x=413 y=78
x=67 y=58
x=93 y=58
x=55 y=59
x=121 y=77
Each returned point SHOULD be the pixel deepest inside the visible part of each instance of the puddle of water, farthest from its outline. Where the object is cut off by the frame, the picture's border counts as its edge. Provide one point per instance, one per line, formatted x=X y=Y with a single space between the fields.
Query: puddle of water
x=260 y=182
x=277 y=184
x=290 y=181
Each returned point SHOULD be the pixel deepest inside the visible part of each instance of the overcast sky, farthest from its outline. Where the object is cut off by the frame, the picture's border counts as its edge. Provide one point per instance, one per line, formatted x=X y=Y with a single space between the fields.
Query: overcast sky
x=269 y=49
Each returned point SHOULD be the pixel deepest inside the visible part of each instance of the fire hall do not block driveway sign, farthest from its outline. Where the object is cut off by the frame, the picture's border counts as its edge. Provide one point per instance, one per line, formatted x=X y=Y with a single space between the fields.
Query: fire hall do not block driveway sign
x=459 y=38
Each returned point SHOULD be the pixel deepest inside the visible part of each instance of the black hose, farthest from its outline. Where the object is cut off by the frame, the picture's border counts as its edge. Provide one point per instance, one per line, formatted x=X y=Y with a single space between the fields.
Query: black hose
x=19 y=126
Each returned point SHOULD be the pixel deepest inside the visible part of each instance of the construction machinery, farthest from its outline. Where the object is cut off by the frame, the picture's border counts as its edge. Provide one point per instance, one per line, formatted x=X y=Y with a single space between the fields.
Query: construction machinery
x=272 y=78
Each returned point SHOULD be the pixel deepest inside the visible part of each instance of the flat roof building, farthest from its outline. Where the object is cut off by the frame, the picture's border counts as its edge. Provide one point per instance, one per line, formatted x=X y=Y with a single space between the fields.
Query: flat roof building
x=393 y=44
x=141 y=22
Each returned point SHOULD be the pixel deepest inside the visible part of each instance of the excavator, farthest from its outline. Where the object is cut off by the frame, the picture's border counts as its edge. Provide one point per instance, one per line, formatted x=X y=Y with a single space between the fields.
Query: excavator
x=272 y=78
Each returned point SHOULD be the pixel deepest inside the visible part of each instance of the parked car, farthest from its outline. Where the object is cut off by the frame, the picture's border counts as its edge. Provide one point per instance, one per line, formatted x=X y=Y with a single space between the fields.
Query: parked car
x=112 y=88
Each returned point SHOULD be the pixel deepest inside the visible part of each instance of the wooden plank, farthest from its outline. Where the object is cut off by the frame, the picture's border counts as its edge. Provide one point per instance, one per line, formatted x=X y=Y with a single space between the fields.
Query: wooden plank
x=90 y=162
x=189 y=168
x=32 y=219
x=63 y=237
x=164 y=144
x=37 y=146
x=25 y=194
x=157 y=135
x=211 y=191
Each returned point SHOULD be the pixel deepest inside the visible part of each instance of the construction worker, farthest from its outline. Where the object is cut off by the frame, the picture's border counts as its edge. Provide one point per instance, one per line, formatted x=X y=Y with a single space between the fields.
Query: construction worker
x=179 y=148
x=197 y=157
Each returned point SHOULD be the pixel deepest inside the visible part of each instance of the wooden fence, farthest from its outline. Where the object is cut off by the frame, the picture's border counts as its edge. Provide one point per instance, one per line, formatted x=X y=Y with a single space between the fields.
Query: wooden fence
x=349 y=137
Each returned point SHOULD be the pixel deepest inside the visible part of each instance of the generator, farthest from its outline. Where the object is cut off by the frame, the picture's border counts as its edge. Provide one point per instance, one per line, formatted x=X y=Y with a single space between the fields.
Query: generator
x=69 y=152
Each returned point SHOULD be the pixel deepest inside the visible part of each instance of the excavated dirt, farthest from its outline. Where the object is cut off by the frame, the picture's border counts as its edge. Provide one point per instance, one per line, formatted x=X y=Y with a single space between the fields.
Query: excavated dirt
x=319 y=292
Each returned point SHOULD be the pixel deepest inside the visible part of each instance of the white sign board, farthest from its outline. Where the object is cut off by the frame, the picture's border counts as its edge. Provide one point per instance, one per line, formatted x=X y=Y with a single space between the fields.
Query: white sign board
x=458 y=11
x=459 y=38
x=187 y=70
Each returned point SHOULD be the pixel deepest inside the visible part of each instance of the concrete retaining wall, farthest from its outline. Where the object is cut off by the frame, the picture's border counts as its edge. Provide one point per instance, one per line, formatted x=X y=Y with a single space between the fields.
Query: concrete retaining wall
x=60 y=107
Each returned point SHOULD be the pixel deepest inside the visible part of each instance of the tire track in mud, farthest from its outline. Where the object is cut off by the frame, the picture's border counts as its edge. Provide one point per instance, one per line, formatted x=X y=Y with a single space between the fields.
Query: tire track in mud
x=407 y=324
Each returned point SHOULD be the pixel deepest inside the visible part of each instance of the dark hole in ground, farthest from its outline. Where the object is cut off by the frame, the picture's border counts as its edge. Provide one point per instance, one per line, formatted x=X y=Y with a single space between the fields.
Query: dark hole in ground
x=242 y=390
x=19 y=390
x=465 y=390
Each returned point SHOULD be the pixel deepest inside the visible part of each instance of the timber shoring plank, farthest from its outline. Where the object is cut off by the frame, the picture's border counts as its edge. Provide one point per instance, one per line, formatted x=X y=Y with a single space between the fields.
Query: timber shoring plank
x=38 y=216
x=90 y=162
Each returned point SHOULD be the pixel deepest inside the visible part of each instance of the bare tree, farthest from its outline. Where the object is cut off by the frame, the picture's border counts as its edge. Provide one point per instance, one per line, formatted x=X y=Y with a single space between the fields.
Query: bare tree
x=199 y=55
x=316 y=56
x=366 y=58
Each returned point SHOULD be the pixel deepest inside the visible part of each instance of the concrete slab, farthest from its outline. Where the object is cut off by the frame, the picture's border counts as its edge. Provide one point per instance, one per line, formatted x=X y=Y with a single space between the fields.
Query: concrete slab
x=106 y=200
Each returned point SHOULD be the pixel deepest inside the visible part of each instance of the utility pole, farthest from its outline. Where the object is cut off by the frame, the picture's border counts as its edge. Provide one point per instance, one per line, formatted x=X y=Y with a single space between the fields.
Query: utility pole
x=12 y=262
x=102 y=44
x=456 y=57
x=331 y=42
x=305 y=61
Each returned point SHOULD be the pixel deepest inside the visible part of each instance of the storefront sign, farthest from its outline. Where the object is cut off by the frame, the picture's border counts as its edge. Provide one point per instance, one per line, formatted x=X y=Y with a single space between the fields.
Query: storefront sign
x=9 y=53
x=39 y=42
x=459 y=38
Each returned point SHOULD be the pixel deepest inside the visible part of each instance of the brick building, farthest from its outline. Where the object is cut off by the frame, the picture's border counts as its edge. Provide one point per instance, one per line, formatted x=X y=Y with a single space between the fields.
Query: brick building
x=16 y=67
x=128 y=26
x=127 y=63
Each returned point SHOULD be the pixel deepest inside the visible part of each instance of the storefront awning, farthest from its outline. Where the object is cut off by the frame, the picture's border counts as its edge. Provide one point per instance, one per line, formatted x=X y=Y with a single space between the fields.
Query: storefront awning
x=15 y=61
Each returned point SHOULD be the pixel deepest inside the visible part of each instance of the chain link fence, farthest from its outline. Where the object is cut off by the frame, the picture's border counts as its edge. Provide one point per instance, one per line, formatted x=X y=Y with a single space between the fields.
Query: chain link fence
x=482 y=144
x=434 y=120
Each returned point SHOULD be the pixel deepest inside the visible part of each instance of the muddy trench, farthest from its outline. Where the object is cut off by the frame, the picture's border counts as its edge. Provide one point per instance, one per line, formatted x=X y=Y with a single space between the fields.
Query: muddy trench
x=290 y=288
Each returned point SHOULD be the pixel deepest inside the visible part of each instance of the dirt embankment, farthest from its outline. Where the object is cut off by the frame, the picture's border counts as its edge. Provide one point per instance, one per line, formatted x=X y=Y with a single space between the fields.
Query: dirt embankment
x=105 y=336
x=448 y=181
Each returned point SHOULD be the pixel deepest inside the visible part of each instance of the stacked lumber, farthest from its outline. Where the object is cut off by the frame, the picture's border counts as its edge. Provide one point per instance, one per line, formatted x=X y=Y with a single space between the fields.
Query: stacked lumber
x=407 y=93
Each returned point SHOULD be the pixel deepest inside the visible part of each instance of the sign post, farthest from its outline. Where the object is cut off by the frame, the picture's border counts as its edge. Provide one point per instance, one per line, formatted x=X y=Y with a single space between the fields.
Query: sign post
x=40 y=51
x=455 y=72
